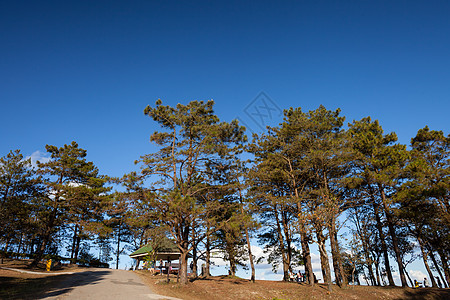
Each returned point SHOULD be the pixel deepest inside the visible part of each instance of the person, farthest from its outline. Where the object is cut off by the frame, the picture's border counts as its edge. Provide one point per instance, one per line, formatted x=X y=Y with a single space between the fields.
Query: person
x=191 y=266
x=416 y=284
x=425 y=282
x=439 y=282
x=299 y=276
x=151 y=267
x=291 y=276
x=161 y=266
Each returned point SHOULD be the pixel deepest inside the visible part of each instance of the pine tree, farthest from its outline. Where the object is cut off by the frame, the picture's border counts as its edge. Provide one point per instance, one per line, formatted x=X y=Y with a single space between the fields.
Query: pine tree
x=72 y=184
x=425 y=196
x=19 y=189
x=380 y=164
x=191 y=136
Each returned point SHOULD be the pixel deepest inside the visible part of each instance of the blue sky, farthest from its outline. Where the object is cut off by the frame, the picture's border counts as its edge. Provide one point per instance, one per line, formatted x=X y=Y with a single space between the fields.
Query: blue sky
x=85 y=70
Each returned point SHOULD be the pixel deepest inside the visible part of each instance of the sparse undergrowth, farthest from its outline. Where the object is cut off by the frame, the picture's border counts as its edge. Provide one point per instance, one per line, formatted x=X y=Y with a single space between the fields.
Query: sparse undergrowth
x=225 y=288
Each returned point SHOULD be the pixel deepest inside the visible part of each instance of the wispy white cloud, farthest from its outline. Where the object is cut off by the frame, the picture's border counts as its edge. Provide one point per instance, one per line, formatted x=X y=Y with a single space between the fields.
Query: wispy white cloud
x=264 y=270
x=417 y=275
x=38 y=156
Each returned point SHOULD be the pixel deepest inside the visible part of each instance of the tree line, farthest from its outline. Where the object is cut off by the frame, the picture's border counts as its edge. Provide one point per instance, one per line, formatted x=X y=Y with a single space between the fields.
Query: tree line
x=376 y=204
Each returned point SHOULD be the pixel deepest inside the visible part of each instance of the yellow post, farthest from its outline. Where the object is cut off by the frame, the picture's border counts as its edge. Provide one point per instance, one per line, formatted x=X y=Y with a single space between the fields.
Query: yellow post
x=49 y=264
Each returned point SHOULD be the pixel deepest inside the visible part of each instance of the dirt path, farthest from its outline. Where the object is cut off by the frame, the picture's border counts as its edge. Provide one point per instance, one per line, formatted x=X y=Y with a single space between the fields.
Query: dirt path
x=34 y=272
x=103 y=284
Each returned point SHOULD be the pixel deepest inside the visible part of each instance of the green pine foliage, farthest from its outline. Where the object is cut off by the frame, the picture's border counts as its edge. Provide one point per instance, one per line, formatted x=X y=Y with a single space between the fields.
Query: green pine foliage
x=308 y=180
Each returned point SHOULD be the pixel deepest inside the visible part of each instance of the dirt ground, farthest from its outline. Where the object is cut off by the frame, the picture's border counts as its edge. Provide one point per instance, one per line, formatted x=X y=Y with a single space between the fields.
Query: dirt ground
x=224 y=288
x=15 y=285
x=24 y=264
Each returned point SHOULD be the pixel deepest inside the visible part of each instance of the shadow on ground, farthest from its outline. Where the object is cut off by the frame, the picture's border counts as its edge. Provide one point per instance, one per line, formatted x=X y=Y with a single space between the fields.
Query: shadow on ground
x=426 y=293
x=71 y=281
x=48 y=286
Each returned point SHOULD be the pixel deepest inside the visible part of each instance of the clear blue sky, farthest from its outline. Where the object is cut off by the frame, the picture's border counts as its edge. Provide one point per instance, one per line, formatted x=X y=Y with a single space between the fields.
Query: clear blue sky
x=85 y=70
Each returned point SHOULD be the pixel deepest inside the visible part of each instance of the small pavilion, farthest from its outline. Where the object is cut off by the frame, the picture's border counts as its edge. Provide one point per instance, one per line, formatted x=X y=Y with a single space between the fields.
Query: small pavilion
x=168 y=252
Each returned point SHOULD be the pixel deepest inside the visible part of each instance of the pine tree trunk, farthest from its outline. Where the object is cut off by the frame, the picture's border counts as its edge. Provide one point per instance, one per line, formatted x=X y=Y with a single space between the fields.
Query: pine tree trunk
x=194 y=261
x=183 y=267
x=77 y=248
x=353 y=275
x=387 y=265
x=326 y=272
x=444 y=265
x=208 y=257
x=5 y=249
x=282 y=248
x=288 y=240
x=118 y=248
x=232 y=265
x=250 y=256
x=41 y=249
x=366 y=251
x=45 y=238
x=438 y=269
x=247 y=237
x=74 y=240
x=371 y=275
x=377 y=271
x=306 y=255
x=335 y=258
x=393 y=235
x=336 y=255
x=425 y=262
x=20 y=244
x=409 y=278
x=231 y=254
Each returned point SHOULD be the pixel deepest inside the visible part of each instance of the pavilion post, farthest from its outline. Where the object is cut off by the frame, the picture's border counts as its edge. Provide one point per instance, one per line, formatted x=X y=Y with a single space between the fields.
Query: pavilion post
x=169 y=263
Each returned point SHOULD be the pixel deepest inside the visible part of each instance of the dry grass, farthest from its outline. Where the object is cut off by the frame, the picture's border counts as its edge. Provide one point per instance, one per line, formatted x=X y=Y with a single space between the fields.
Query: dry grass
x=225 y=288
x=15 y=285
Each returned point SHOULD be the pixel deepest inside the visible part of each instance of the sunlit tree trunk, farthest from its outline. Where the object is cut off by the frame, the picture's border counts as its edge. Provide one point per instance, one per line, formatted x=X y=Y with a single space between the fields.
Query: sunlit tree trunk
x=444 y=265
x=45 y=238
x=382 y=237
x=250 y=256
x=390 y=223
x=282 y=247
x=377 y=270
x=208 y=256
x=425 y=262
x=183 y=267
x=336 y=255
x=326 y=272
x=363 y=237
x=74 y=241
x=306 y=254
x=194 y=260
x=118 y=248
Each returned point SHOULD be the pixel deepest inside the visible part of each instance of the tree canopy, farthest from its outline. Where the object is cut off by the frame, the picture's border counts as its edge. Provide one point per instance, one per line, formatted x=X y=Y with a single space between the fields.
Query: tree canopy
x=206 y=188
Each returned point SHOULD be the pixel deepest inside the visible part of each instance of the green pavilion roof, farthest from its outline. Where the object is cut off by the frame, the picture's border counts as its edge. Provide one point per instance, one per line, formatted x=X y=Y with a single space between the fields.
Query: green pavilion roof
x=143 y=250
x=169 y=250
